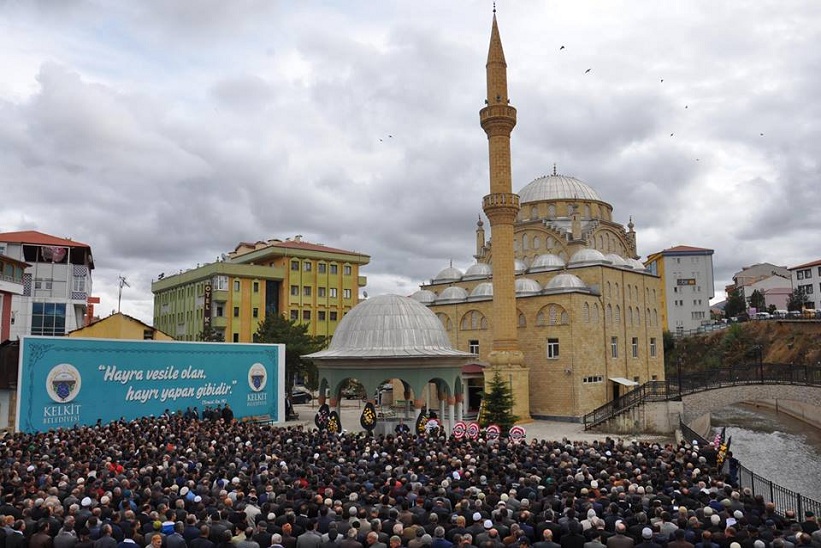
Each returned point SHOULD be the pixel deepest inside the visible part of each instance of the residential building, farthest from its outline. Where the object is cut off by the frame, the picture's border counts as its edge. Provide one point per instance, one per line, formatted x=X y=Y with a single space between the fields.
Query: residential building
x=120 y=326
x=807 y=277
x=767 y=277
x=310 y=283
x=56 y=283
x=11 y=283
x=557 y=303
x=686 y=274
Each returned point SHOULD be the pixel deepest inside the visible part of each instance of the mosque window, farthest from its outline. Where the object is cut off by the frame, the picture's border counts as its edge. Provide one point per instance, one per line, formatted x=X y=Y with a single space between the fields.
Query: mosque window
x=524 y=242
x=569 y=210
x=608 y=315
x=614 y=347
x=652 y=347
x=553 y=314
x=446 y=323
x=522 y=320
x=552 y=349
x=473 y=346
x=634 y=345
x=616 y=290
x=586 y=313
x=647 y=317
x=609 y=289
x=536 y=242
x=636 y=316
x=587 y=211
x=628 y=316
x=595 y=312
x=655 y=318
x=534 y=212
x=618 y=314
x=551 y=211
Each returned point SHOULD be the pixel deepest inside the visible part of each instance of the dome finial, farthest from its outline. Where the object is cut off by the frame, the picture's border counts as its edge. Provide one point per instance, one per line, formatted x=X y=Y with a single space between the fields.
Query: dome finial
x=554 y=168
x=480 y=223
x=494 y=7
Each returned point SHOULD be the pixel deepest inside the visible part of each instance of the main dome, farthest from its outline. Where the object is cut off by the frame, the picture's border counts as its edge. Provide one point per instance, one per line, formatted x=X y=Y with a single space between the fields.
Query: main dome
x=557 y=187
x=389 y=325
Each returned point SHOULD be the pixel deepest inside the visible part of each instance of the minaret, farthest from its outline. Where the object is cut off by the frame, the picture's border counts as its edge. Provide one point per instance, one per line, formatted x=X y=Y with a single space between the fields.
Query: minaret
x=480 y=239
x=501 y=206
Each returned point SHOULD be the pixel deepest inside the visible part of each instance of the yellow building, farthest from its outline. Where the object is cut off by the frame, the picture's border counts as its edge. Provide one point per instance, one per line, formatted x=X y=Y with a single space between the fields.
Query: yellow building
x=558 y=304
x=120 y=326
x=309 y=283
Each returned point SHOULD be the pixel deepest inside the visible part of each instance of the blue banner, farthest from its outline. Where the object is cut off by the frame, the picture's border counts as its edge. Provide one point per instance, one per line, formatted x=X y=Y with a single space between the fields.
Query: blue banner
x=63 y=382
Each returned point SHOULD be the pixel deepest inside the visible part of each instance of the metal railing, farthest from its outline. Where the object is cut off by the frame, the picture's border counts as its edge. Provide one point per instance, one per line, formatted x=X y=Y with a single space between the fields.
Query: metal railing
x=685 y=384
x=784 y=499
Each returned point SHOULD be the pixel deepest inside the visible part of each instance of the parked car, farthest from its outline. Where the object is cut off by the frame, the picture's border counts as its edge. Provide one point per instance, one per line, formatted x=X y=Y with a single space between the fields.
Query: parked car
x=300 y=395
x=353 y=393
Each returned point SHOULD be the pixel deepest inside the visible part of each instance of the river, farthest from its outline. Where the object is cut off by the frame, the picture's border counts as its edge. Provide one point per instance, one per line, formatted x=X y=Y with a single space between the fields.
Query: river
x=775 y=446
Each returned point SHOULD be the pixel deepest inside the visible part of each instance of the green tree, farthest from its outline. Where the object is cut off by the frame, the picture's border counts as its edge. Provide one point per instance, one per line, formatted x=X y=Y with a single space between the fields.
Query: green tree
x=797 y=299
x=497 y=405
x=771 y=309
x=757 y=301
x=735 y=304
x=209 y=334
x=276 y=329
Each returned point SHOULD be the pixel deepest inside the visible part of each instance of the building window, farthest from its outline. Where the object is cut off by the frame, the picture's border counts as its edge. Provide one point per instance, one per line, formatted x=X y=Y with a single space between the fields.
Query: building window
x=334 y=269
x=652 y=347
x=322 y=268
x=634 y=344
x=321 y=291
x=236 y=337
x=48 y=319
x=807 y=289
x=40 y=283
x=346 y=270
x=306 y=266
x=552 y=349
x=306 y=291
x=79 y=284
x=594 y=379
x=220 y=312
x=332 y=292
x=321 y=315
x=255 y=312
x=333 y=316
x=256 y=287
x=473 y=346
x=236 y=312
x=614 y=347
x=221 y=283
x=294 y=315
x=294 y=266
x=306 y=315
x=346 y=293
x=295 y=290
x=236 y=285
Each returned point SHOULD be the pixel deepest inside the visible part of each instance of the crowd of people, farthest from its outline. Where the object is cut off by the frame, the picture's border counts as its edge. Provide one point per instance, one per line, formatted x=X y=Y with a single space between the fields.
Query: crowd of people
x=177 y=481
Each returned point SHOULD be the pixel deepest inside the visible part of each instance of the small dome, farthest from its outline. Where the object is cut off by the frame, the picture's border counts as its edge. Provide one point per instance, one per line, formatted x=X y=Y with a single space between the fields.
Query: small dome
x=547 y=261
x=526 y=286
x=519 y=266
x=389 y=325
x=449 y=274
x=565 y=282
x=617 y=260
x=587 y=256
x=482 y=291
x=478 y=270
x=424 y=296
x=556 y=187
x=636 y=264
x=452 y=294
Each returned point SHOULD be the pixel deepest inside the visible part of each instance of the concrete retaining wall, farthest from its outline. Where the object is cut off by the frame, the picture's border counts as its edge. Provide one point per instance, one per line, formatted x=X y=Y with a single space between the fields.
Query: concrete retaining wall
x=807 y=413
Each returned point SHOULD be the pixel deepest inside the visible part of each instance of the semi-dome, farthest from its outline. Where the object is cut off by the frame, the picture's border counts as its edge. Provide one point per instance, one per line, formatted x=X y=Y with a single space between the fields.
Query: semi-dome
x=519 y=266
x=452 y=294
x=616 y=259
x=636 y=264
x=586 y=256
x=449 y=274
x=424 y=296
x=526 y=286
x=565 y=282
x=478 y=270
x=556 y=187
x=546 y=261
x=389 y=325
x=483 y=290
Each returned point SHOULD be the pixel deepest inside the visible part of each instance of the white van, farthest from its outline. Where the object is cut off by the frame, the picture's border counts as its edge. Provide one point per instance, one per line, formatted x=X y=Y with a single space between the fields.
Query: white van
x=762 y=316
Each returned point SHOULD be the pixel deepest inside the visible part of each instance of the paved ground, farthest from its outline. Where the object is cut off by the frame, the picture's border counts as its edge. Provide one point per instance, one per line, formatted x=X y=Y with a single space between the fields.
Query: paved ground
x=543 y=430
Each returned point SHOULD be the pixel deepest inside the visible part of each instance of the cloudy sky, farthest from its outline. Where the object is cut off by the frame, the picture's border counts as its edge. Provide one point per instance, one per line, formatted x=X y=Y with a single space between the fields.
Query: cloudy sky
x=164 y=132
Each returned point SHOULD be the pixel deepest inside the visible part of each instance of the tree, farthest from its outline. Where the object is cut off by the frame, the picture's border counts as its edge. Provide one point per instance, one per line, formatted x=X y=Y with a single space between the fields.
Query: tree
x=758 y=301
x=735 y=304
x=797 y=299
x=275 y=329
x=497 y=405
x=209 y=334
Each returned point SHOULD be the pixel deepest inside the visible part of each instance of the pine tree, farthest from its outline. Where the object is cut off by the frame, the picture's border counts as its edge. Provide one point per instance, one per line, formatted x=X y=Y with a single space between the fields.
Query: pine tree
x=497 y=405
x=276 y=329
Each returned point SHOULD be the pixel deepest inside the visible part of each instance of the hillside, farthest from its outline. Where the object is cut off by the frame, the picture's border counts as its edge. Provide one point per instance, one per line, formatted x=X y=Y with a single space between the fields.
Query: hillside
x=796 y=342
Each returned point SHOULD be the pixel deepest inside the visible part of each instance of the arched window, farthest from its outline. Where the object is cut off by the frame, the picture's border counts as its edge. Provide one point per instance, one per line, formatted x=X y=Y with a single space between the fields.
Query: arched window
x=647 y=316
x=655 y=318
x=609 y=292
x=618 y=314
x=587 y=211
x=536 y=242
x=636 y=316
x=445 y=319
x=629 y=316
x=553 y=315
x=551 y=211
x=534 y=212
x=586 y=313
x=564 y=318
x=524 y=242
x=595 y=312
x=522 y=320
x=473 y=319
x=569 y=210
x=616 y=292
x=608 y=315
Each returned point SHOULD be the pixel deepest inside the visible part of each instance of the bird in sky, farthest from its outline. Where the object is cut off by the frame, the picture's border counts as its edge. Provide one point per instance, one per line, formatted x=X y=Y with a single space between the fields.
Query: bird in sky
x=662 y=80
x=588 y=70
x=561 y=48
x=762 y=134
x=685 y=106
x=671 y=135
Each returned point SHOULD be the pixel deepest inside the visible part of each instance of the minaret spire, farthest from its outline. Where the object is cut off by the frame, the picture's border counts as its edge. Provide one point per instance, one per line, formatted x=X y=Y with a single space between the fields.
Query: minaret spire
x=501 y=206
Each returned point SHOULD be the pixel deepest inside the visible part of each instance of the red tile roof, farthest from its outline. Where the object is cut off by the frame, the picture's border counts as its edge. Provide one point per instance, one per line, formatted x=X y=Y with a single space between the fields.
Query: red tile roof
x=685 y=248
x=38 y=238
x=807 y=265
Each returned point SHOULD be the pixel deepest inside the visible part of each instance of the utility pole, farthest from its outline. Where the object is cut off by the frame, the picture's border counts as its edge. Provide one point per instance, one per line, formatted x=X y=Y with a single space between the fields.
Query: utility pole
x=122 y=282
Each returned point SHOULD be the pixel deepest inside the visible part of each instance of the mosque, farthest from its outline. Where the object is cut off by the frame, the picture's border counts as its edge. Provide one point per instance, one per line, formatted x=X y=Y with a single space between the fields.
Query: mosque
x=557 y=303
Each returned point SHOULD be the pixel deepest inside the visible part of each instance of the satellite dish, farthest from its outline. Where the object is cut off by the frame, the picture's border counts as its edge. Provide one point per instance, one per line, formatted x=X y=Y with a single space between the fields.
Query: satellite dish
x=365 y=294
